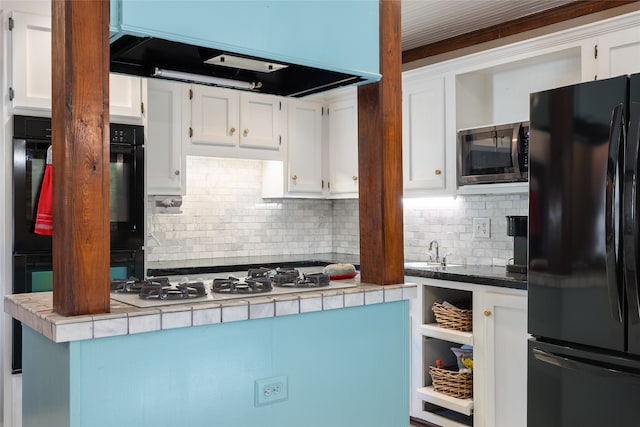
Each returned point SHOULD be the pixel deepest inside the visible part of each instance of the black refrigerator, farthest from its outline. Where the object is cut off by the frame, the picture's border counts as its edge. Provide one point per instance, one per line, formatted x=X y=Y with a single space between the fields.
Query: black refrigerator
x=584 y=312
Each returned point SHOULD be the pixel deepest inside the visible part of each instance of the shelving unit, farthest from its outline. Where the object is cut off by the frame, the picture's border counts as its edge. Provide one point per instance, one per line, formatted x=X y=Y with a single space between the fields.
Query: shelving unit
x=437 y=342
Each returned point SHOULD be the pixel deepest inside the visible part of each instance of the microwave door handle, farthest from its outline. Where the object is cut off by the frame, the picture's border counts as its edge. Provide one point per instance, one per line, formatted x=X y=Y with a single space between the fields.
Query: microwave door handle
x=630 y=213
x=515 y=144
x=612 y=213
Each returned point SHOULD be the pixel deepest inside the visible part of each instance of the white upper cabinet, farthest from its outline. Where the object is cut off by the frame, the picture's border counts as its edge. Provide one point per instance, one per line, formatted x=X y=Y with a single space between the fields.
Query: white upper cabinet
x=423 y=134
x=230 y=123
x=30 y=61
x=165 y=167
x=304 y=148
x=125 y=96
x=618 y=53
x=343 y=146
x=214 y=116
x=30 y=82
x=260 y=121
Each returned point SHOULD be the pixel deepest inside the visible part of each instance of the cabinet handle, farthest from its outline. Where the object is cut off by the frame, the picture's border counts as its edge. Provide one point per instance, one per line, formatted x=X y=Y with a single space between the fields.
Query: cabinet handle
x=438 y=172
x=232 y=131
x=487 y=313
x=355 y=178
x=176 y=173
x=246 y=132
x=294 y=177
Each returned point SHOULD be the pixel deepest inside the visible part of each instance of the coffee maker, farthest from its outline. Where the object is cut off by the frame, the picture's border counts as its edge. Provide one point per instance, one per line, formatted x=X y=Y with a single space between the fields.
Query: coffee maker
x=517 y=226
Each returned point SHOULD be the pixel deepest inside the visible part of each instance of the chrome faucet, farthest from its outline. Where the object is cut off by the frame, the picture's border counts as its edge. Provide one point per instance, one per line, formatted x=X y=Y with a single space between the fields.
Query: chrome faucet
x=431 y=244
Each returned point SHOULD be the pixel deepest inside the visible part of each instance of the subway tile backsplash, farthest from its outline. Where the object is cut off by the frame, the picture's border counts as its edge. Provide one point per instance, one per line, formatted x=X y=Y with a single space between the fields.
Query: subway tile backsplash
x=223 y=214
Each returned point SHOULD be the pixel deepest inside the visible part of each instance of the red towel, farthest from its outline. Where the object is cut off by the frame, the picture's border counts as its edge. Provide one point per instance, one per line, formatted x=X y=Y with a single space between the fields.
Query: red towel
x=44 y=215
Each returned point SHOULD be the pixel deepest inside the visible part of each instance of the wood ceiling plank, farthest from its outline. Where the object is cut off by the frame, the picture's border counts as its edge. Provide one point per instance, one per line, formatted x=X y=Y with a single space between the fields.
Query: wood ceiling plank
x=527 y=23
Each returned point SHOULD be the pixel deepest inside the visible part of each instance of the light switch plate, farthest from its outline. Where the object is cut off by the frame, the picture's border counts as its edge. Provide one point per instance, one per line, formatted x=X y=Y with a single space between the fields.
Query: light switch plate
x=481 y=228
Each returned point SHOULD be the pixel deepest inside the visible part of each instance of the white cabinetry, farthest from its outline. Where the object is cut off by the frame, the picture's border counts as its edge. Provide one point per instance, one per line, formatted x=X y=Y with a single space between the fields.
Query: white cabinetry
x=501 y=364
x=228 y=123
x=424 y=133
x=618 y=53
x=30 y=82
x=499 y=342
x=304 y=148
x=343 y=145
x=214 y=116
x=165 y=168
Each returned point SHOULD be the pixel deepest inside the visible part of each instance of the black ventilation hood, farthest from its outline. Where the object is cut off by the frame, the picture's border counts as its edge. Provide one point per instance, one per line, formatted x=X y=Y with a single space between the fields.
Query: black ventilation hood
x=155 y=57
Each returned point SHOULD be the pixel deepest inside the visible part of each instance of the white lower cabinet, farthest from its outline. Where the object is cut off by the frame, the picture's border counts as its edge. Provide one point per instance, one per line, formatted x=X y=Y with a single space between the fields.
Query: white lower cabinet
x=499 y=341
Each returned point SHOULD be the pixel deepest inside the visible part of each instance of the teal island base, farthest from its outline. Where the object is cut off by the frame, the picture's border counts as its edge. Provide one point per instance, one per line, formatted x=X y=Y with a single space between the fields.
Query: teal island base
x=342 y=368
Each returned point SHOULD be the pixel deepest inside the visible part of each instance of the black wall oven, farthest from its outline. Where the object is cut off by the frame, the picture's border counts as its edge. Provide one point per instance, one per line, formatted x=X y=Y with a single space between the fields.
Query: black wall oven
x=32 y=257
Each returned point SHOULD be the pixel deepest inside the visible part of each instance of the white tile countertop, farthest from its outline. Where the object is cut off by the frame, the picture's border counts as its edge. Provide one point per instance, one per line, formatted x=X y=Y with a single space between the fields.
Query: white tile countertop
x=36 y=311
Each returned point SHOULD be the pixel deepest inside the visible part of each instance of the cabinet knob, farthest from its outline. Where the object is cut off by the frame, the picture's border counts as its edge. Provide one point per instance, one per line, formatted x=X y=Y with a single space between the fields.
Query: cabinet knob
x=294 y=177
x=177 y=173
x=246 y=132
x=438 y=172
x=487 y=313
x=232 y=131
x=355 y=178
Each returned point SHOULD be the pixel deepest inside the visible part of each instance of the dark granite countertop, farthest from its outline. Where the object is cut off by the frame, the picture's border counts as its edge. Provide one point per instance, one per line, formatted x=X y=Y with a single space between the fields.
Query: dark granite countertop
x=478 y=274
x=482 y=275
x=226 y=265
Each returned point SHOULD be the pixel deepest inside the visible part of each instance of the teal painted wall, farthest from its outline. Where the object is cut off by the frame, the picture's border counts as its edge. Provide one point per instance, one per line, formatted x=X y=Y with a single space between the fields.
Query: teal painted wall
x=336 y=35
x=345 y=368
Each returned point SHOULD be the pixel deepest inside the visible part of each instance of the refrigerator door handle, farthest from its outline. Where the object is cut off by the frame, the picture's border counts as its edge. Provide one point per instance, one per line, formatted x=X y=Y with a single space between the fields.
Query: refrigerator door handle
x=630 y=213
x=616 y=131
x=566 y=362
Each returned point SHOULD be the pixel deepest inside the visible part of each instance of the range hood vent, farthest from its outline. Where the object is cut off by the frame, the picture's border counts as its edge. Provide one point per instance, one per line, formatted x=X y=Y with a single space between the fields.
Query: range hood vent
x=154 y=57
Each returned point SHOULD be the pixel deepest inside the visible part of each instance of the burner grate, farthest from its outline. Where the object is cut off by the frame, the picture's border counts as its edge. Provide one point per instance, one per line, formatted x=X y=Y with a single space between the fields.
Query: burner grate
x=162 y=289
x=232 y=285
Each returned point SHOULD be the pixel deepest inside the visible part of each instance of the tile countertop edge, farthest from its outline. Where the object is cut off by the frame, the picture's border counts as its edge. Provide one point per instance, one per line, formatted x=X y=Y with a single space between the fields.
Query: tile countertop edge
x=36 y=311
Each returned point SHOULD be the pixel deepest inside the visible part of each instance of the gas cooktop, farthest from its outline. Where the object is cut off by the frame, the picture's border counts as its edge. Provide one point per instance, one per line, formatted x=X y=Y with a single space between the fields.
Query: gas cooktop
x=160 y=291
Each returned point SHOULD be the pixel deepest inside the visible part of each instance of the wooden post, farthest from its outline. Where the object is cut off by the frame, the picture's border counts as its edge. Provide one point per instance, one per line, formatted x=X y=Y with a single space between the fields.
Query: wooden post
x=380 y=159
x=80 y=134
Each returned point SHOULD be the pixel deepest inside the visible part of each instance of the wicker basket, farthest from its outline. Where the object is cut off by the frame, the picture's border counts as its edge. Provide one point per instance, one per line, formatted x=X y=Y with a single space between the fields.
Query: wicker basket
x=452 y=318
x=452 y=383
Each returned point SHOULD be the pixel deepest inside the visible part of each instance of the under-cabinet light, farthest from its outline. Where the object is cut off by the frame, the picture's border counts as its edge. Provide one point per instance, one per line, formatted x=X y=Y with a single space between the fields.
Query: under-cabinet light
x=199 y=78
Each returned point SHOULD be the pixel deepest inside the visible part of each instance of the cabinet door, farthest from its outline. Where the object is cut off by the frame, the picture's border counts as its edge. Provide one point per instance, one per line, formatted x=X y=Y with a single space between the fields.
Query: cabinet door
x=31 y=61
x=423 y=135
x=619 y=53
x=343 y=146
x=260 y=121
x=124 y=96
x=500 y=360
x=304 y=160
x=165 y=162
x=31 y=70
x=214 y=116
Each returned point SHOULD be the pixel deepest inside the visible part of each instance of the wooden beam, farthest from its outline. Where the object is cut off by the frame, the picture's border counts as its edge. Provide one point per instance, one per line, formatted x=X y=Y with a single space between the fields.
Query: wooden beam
x=80 y=134
x=527 y=23
x=380 y=159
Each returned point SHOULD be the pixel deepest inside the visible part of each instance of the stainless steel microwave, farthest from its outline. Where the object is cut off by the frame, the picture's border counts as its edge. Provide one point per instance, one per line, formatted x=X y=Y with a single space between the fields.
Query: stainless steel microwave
x=493 y=154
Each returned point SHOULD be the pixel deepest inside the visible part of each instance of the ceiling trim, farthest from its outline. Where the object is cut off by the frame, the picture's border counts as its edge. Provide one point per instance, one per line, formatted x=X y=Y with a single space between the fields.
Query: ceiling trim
x=527 y=23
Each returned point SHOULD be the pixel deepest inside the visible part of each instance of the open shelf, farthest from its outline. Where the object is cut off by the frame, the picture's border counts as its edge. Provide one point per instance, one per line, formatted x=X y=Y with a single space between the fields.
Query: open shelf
x=434 y=331
x=462 y=406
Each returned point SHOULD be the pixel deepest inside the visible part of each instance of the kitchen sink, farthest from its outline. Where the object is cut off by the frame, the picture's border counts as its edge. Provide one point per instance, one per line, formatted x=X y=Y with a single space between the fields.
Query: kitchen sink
x=429 y=264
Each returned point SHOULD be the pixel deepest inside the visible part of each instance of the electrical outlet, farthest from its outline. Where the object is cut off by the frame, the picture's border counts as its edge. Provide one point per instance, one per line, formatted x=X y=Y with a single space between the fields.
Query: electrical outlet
x=481 y=228
x=271 y=390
